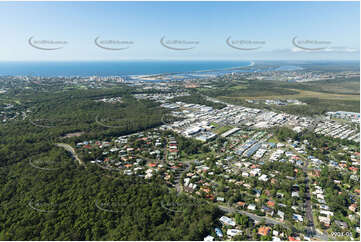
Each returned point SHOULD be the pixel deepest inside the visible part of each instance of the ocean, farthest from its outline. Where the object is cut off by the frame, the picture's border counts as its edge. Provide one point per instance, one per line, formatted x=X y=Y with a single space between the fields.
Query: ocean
x=112 y=68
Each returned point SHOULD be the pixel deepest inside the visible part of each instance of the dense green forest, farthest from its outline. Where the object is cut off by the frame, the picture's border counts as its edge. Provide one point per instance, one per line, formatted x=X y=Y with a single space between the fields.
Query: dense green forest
x=65 y=201
x=74 y=203
x=57 y=114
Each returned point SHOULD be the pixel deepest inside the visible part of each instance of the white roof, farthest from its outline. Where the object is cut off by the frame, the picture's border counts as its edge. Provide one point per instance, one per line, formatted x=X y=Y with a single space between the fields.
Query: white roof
x=233 y=232
x=209 y=238
x=227 y=220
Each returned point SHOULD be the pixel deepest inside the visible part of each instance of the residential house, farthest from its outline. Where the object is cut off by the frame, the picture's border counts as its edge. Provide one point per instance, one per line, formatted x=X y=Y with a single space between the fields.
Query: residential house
x=353 y=207
x=295 y=194
x=263 y=231
x=281 y=214
x=219 y=232
x=297 y=217
x=263 y=177
x=241 y=204
x=233 y=232
x=325 y=220
x=227 y=221
x=271 y=203
x=251 y=207
x=208 y=238
x=220 y=199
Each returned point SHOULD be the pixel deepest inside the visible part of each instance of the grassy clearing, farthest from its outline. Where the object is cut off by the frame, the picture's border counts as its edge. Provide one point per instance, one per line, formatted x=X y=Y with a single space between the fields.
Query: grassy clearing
x=351 y=88
x=304 y=94
x=273 y=140
x=223 y=129
x=320 y=96
x=238 y=87
x=338 y=86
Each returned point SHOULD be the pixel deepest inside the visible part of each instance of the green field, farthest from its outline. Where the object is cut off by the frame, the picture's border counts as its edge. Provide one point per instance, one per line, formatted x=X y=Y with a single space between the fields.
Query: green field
x=320 y=96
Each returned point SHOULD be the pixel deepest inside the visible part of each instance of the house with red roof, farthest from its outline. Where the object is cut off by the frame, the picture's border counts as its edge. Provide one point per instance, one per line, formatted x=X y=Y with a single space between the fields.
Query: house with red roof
x=241 y=204
x=353 y=169
x=270 y=204
x=263 y=231
x=353 y=207
x=290 y=238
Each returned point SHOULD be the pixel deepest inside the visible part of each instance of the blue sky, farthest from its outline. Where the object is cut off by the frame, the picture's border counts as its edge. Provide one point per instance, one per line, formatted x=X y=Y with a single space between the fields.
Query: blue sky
x=270 y=26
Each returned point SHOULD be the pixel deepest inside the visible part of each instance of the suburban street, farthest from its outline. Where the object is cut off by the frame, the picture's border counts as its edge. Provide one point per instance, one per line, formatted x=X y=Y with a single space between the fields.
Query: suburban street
x=267 y=220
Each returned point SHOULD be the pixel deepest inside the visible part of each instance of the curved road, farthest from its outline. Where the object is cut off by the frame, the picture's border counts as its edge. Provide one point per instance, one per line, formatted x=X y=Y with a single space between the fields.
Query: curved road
x=72 y=151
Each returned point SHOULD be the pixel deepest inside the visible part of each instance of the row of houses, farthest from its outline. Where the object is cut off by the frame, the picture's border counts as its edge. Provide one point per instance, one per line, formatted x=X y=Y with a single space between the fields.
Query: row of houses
x=352 y=116
x=336 y=130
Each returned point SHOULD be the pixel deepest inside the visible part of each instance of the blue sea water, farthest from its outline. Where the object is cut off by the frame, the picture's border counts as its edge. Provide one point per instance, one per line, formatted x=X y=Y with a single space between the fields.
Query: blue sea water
x=112 y=68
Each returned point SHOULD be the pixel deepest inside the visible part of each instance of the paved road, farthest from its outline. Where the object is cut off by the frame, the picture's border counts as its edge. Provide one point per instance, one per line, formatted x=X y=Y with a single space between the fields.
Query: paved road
x=178 y=185
x=72 y=151
x=251 y=215
x=269 y=221
x=311 y=230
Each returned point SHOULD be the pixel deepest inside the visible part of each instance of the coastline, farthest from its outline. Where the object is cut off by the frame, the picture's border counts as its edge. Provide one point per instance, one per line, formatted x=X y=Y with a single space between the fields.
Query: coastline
x=252 y=63
x=129 y=69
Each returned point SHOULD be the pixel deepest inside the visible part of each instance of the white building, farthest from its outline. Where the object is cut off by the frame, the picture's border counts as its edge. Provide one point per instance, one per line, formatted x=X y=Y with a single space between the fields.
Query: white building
x=233 y=232
x=227 y=221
